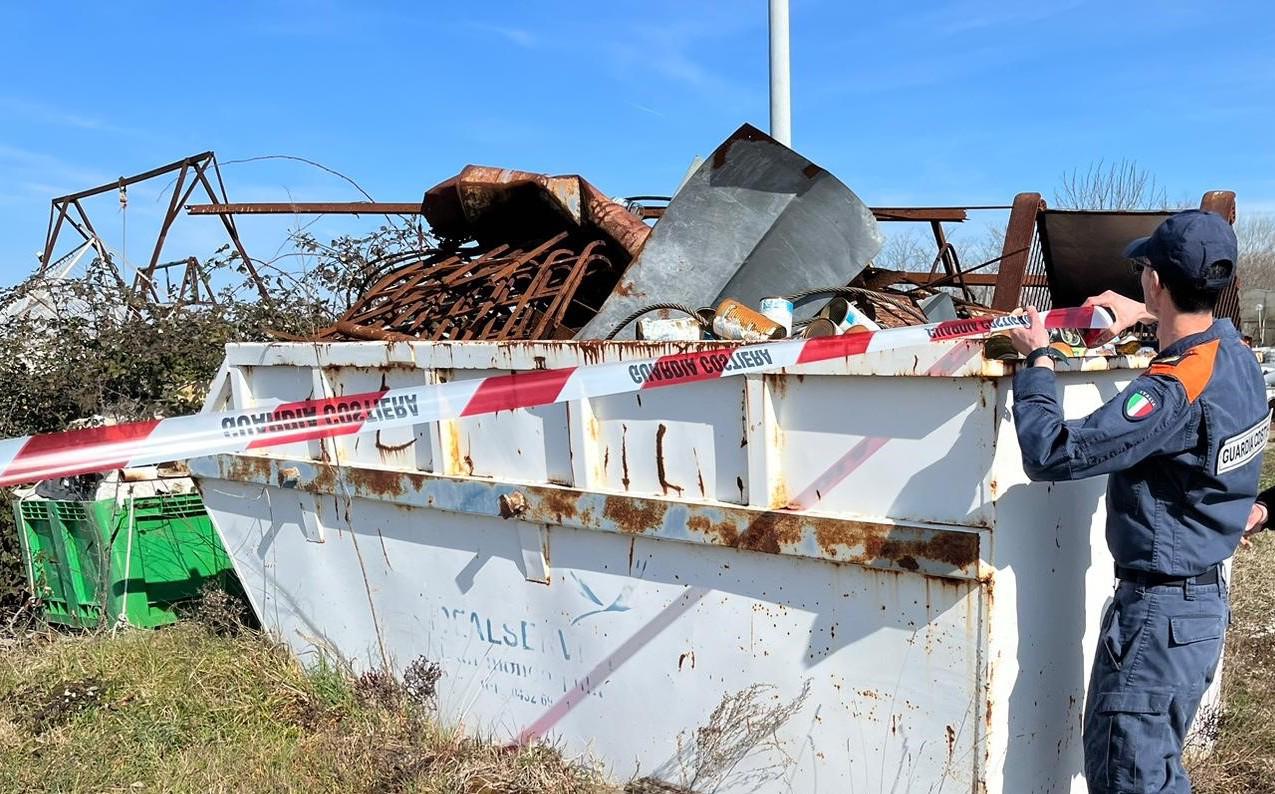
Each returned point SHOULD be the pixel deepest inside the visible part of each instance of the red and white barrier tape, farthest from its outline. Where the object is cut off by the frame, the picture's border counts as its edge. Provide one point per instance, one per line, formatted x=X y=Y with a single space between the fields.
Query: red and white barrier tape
x=100 y=449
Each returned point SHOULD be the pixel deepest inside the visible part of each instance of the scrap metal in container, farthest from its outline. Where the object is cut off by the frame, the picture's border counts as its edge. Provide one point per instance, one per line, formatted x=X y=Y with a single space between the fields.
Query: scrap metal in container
x=523 y=256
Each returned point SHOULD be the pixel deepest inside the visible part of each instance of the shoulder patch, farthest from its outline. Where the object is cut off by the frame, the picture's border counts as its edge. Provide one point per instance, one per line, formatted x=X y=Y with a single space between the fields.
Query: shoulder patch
x=1193 y=369
x=1140 y=405
x=1242 y=448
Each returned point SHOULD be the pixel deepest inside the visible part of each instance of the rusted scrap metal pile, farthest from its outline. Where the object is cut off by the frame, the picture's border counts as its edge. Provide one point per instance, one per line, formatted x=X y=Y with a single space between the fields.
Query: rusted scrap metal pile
x=523 y=256
x=758 y=243
x=529 y=256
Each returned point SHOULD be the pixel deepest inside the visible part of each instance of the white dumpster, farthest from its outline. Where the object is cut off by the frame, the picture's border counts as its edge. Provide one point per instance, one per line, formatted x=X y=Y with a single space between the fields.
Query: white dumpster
x=845 y=561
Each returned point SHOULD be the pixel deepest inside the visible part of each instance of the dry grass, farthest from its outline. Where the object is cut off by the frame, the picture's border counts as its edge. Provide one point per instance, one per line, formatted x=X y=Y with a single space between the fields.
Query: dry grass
x=191 y=709
x=1243 y=759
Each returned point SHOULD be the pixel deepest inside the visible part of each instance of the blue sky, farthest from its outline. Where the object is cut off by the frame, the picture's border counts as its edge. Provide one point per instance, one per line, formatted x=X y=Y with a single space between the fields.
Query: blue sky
x=908 y=103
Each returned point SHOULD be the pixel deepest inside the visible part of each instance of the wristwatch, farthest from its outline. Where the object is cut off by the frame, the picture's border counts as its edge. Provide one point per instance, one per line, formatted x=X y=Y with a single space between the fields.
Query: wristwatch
x=1044 y=352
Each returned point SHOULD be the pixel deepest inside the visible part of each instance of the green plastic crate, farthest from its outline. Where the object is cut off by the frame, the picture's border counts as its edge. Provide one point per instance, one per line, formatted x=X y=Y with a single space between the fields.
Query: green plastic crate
x=82 y=566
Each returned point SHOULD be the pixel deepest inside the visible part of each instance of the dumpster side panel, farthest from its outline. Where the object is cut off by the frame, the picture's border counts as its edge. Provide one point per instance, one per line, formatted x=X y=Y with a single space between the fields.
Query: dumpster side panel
x=851 y=527
x=686 y=443
x=870 y=677
x=400 y=447
x=906 y=448
x=1052 y=581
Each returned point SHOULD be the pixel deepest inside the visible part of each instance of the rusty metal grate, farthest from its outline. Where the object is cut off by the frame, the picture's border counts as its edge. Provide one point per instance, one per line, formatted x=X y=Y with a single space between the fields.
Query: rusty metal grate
x=542 y=289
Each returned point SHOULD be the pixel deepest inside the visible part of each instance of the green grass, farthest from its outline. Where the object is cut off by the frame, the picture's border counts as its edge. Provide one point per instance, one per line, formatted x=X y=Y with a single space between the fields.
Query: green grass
x=1243 y=758
x=185 y=709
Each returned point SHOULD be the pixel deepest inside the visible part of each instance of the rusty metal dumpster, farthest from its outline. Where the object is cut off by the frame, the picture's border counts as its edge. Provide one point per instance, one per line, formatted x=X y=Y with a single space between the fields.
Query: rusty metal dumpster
x=842 y=562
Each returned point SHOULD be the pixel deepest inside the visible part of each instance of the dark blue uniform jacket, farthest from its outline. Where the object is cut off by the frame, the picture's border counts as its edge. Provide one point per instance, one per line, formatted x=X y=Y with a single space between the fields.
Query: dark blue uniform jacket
x=1182 y=445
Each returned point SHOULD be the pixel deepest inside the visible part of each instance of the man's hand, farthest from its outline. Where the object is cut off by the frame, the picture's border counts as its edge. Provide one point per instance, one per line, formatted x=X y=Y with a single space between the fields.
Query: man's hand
x=1257 y=518
x=1025 y=340
x=1126 y=311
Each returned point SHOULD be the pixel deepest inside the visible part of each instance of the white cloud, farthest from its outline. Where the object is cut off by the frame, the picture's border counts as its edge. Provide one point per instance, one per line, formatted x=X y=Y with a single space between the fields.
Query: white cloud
x=523 y=38
x=43 y=113
x=37 y=171
x=645 y=109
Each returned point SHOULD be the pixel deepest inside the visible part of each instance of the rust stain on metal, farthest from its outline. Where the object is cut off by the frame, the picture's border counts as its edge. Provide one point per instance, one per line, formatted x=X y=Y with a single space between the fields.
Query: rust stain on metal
x=684 y=658
x=958 y=549
x=634 y=516
x=325 y=480
x=454 y=457
x=951 y=741
x=665 y=485
x=379 y=482
x=744 y=133
x=245 y=467
x=392 y=448
x=624 y=455
x=558 y=503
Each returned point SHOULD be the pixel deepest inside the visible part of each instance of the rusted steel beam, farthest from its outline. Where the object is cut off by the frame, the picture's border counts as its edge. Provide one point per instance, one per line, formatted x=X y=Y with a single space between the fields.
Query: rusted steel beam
x=58 y=209
x=125 y=181
x=941 y=214
x=372 y=334
x=1019 y=235
x=885 y=278
x=233 y=233
x=308 y=208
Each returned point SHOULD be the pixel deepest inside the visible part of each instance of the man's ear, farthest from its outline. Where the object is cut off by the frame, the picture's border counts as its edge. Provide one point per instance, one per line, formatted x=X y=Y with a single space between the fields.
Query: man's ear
x=1155 y=282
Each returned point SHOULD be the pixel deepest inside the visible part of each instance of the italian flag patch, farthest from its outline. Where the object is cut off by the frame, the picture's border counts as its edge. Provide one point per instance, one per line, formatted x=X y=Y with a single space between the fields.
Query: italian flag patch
x=1140 y=405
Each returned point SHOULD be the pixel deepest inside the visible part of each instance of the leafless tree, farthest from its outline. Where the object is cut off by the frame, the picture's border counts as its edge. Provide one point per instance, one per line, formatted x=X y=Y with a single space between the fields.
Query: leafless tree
x=1119 y=185
x=1256 y=235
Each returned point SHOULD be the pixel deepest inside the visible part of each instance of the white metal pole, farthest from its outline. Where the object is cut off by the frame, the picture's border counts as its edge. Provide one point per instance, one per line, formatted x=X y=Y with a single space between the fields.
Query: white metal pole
x=780 y=88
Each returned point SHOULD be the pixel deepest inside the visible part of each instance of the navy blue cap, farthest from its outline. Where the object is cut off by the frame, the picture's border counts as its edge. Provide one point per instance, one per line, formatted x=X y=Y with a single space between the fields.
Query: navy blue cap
x=1192 y=247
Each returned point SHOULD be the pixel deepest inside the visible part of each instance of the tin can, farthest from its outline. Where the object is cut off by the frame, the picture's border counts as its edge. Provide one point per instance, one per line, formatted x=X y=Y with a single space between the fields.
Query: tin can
x=820 y=326
x=734 y=320
x=674 y=329
x=847 y=316
x=779 y=310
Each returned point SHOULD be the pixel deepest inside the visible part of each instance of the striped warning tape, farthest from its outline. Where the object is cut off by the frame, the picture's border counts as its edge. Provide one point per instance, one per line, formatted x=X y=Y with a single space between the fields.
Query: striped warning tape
x=99 y=449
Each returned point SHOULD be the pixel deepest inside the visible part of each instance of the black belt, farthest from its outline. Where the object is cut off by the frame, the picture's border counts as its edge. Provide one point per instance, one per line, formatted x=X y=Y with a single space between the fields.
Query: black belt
x=1153 y=579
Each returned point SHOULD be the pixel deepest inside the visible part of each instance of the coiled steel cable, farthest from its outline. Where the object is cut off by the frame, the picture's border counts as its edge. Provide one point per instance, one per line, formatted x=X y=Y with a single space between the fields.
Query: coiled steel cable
x=680 y=307
x=897 y=303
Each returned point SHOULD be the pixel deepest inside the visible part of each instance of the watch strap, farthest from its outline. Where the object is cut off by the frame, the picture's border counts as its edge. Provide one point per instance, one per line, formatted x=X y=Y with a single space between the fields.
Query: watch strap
x=1044 y=352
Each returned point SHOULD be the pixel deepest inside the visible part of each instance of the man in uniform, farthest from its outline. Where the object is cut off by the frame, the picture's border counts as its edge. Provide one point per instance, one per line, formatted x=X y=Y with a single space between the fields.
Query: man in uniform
x=1182 y=446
